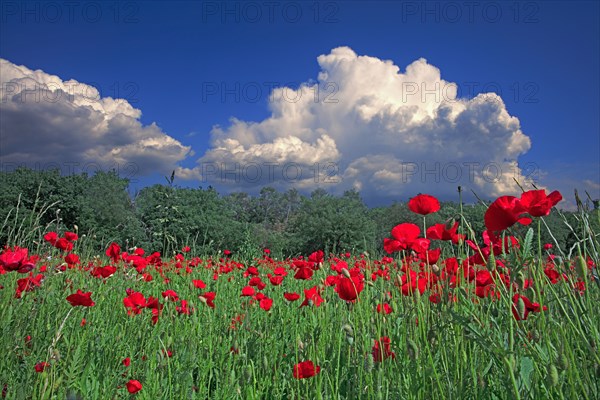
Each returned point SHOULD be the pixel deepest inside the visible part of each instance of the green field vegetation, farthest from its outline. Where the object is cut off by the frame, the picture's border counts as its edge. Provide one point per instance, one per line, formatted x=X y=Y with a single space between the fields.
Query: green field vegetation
x=483 y=320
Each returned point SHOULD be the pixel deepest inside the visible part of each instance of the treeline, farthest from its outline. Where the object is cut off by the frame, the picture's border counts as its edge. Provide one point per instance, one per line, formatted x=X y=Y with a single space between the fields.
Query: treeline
x=166 y=217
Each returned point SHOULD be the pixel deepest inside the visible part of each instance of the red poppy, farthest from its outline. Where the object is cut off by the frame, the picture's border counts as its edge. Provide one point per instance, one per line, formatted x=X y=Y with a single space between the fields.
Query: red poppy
x=28 y=284
x=266 y=303
x=184 y=308
x=209 y=298
x=71 y=236
x=134 y=386
x=316 y=257
x=81 y=299
x=114 y=252
x=384 y=308
x=41 y=366
x=63 y=244
x=247 y=291
x=103 y=272
x=441 y=232
x=304 y=273
x=198 y=283
x=305 y=369
x=186 y=249
x=424 y=204
x=16 y=259
x=170 y=295
x=381 y=349
x=72 y=259
x=404 y=236
x=134 y=302
x=538 y=204
x=349 y=288
x=276 y=280
x=528 y=307
x=313 y=296
x=503 y=213
x=51 y=237
x=411 y=282
x=291 y=296
x=126 y=361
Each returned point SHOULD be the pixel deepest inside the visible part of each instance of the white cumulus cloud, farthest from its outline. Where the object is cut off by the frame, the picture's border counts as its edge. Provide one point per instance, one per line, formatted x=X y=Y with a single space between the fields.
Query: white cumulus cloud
x=385 y=131
x=46 y=121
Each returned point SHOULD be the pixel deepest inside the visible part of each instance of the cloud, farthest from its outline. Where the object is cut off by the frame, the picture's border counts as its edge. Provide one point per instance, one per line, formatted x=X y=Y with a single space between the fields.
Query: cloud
x=373 y=127
x=46 y=121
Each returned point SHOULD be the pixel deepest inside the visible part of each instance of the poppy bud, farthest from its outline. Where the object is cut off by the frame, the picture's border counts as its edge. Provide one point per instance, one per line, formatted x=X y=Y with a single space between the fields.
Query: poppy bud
x=552 y=376
x=346 y=273
x=300 y=344
x=491 y=264
x=432 y=337
x=412 y=349
x=450 y=223
x=417 y=295
x=436 y=269
x=481 y=381
x=581 y=267
x=369 y=363
x=348 y=329
x=521 y=308
x=398 y=280
x=563 y=361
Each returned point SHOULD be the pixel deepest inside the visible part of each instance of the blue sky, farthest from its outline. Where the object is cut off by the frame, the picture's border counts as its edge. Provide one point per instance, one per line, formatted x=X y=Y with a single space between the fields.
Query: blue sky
x=542 y=58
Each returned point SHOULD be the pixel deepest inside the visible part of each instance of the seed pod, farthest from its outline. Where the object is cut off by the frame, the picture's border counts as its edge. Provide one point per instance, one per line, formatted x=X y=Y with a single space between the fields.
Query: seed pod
x=552 y=376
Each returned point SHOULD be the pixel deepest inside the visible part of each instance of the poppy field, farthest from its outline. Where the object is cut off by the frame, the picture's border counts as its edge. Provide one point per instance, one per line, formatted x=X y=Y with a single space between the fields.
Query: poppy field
x=440 y=313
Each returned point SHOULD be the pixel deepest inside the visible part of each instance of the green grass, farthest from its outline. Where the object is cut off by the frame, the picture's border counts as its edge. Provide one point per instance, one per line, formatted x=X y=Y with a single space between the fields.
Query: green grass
x=464 y=347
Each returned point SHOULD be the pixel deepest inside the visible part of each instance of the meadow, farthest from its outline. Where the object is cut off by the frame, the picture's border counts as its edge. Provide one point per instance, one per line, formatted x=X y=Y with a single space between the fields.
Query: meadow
x=440 y=313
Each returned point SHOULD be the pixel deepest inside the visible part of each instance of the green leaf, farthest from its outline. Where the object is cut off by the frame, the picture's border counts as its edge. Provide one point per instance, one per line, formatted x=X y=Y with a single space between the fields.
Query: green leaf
x=526 y=370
